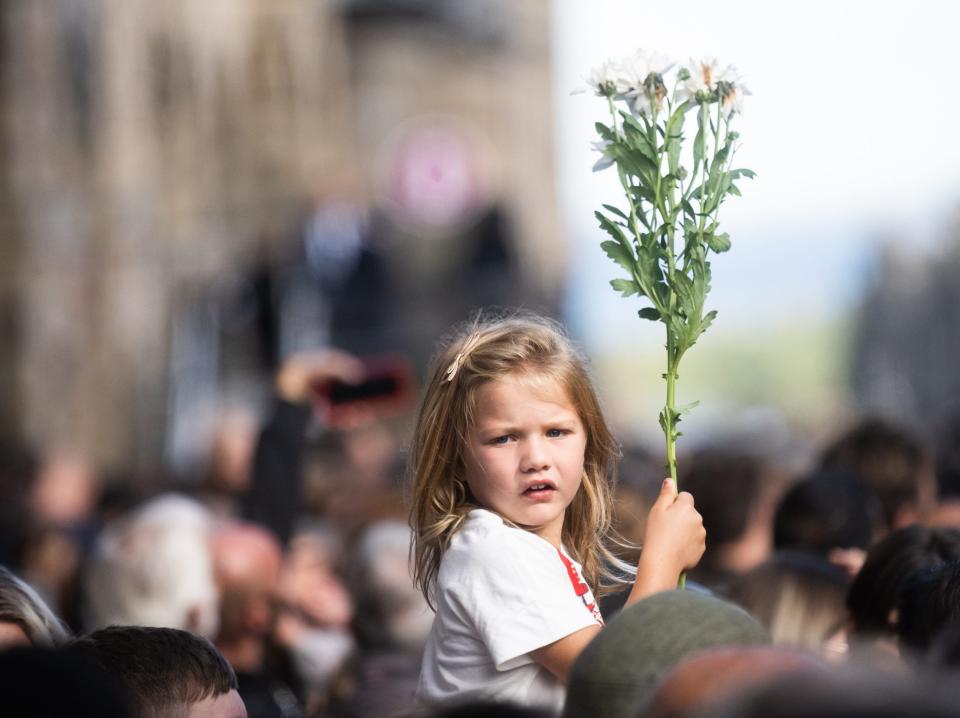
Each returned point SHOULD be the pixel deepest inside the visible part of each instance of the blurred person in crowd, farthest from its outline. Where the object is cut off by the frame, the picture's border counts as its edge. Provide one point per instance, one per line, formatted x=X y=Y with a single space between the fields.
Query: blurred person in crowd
x=831 y=514
x=929 y=603
x=944 y=653
x=315 y=612
x=247 y=562
x=844 y=693
x=875 y=592
x=164 y=672
x=736 y=495
x=712 y=676
x=893 y=464
x=799 y=598
x=349 y=474
x=392 y=623
x=948 y=473
x=18 y=466
x=230 y=467
x=276 y=492
x=154 y=568
x=60 y=525
x=46 y=682
x=25 y=620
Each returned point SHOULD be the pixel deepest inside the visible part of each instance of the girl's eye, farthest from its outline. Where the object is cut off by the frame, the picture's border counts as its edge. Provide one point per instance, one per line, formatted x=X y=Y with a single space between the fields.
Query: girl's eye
x=500 y=439
x=556 y=433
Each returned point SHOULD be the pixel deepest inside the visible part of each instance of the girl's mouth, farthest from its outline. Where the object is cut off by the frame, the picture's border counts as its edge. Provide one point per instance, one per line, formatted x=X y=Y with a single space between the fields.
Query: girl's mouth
x=539 y=491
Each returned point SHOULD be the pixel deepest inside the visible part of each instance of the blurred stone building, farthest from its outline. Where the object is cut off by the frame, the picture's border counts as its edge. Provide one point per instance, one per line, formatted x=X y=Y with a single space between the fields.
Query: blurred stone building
x=150 y=152
x=906 y=349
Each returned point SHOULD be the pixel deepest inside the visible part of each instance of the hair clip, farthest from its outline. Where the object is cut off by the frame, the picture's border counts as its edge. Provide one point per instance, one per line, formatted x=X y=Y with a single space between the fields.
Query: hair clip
x=468 y=347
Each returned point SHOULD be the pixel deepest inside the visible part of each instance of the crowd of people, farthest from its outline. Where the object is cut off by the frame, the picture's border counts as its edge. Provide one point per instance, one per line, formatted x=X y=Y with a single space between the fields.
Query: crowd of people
x=280 y=584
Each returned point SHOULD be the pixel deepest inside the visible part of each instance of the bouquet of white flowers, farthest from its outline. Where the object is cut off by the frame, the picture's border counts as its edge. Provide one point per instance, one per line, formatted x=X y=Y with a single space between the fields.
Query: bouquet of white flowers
x=664 y=236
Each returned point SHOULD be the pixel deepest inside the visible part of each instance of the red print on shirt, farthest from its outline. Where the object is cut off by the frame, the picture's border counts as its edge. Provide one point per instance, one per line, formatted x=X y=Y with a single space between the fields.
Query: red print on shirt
x=580 y=587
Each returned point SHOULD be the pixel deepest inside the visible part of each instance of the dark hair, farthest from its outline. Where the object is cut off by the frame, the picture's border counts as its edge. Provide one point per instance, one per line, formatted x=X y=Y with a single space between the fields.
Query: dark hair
x=944 y=651
x=160 y=670
x=843 y=693
x=948 y=456
x=889 y=460
x=727 y=486
x=929 y=602
x=826 y=510
x=875 y=591
x=47 y=682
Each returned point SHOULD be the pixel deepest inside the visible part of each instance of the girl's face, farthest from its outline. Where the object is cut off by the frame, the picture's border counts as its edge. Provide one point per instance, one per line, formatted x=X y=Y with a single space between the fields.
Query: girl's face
x=524 y=456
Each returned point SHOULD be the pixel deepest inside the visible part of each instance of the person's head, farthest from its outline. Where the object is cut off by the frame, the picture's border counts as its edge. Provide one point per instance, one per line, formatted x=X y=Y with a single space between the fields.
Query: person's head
x=894 y=466
x=875 y=592
x=736 y=504
x=798 y=597
x=831 y=509
x=24 y=618
x=929 y=602
x=391 y=613
x=247 y=560
x=510 y=422
x=153 y=568
x=164 y=672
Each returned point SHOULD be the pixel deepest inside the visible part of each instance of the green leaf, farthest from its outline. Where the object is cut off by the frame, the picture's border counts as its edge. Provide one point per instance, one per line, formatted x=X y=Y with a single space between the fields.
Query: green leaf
x=633 y=162
x=618 y=254
x=687 y=409
x=605 y=132
x=626 y=287
x=719 y=243
x=649 y=313
x=613 y=210
x=743 y=173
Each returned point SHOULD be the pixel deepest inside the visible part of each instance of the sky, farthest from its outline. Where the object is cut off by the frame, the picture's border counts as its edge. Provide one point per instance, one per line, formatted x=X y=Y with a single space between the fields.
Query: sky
x=850 y=128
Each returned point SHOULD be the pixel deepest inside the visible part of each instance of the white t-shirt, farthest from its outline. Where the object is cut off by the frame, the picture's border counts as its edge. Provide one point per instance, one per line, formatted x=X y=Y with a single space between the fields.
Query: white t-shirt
x=501 y=593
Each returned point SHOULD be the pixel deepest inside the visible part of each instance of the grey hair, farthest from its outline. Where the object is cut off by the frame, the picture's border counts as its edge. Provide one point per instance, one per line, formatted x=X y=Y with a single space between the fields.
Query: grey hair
x=21 y=604
x=154 y=568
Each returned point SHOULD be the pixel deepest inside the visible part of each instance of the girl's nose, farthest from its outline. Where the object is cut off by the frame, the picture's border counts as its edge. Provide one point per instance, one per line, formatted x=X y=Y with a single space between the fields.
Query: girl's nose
x=535 y=456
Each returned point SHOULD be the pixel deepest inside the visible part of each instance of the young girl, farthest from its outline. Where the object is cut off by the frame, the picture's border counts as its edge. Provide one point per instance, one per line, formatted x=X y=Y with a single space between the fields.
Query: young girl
x=512 y=516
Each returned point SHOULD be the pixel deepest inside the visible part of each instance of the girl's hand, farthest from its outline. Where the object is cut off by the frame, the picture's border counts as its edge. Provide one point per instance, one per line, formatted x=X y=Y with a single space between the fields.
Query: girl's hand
x=674 y=541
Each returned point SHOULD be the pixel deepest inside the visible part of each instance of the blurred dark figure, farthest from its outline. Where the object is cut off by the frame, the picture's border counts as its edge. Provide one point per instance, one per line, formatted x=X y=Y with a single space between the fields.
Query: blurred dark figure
x=944 y=653
x=893 y=464
x=488 y=710
x=844 y=694
x=247 y=561
x=314 y=614
x=18 y=466
x=275 y=497
x=875 y=592
x=829 y=514
x=948 y=473
x=25 y=620
x=709 y=677
x=798 y=597
x=391 y=624
x=44 y=682
x=164 y=672
x=736 y=495
x=929 y=603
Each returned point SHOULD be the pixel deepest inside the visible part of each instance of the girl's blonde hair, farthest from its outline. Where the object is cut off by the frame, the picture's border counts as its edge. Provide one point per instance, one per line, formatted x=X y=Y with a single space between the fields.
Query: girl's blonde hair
x=485 y=351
